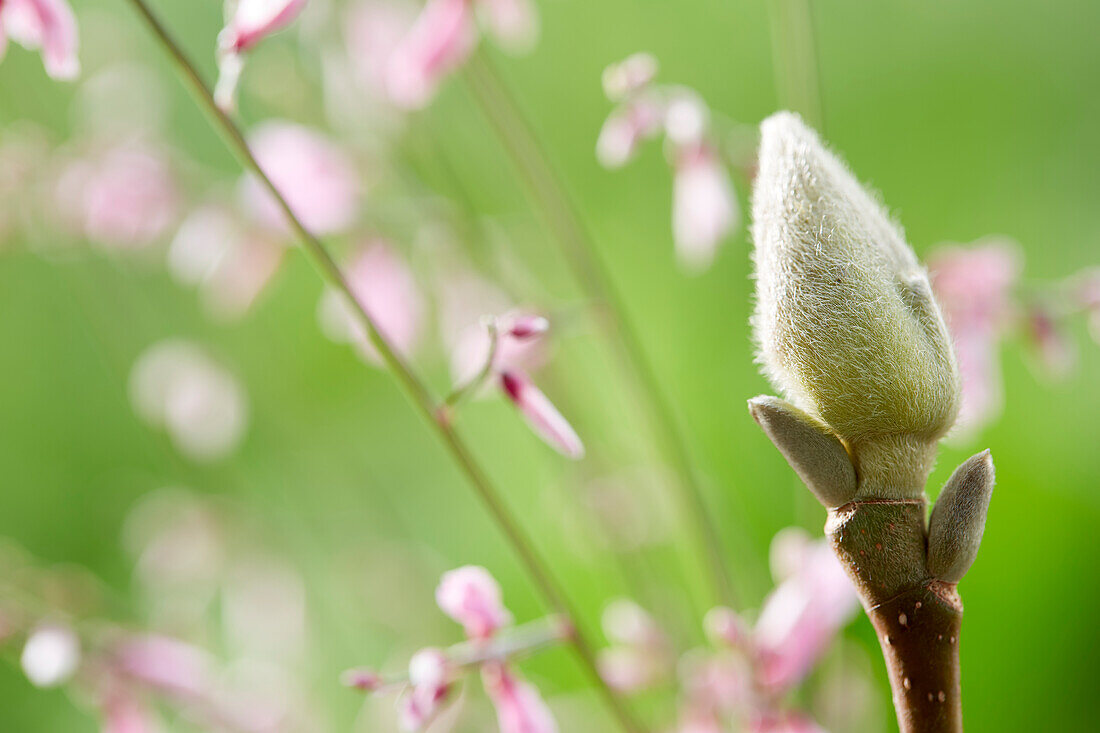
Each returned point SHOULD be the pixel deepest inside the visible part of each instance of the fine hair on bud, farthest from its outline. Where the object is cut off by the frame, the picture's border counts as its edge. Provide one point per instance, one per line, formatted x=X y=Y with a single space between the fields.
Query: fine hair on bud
x=958 y=519
x=810 y=447
x=845 y=321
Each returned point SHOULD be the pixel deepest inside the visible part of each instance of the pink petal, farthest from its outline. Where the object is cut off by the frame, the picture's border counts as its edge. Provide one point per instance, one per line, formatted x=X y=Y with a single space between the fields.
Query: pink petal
x=122 y=713
x=314 y=175
x=541 y=415
x=372 y=33
x=725 y=626
x=1056 y=352
x=386 y=288
x=513 y=23
x=625 y=622
x=438 y=43
x=165 y=664
x=629 y=76
x=231 y=267
x=253 y=20
x=524 y=326
x=800 y=618
x=719 y=683
x=125 y=198
x=520 y=708
x=630 y=669
x=785 y=723
x=686 y=118
x=48 y=25
x=518 y=347
x=973 y=287
x=202 y=406
x=428 y=677
x=704 y=208
x=365 y=680
x=629 y=125
x=471 y=596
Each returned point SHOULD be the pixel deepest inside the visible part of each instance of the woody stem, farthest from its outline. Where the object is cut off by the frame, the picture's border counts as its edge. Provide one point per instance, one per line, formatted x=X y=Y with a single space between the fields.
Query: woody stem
x=882 y=545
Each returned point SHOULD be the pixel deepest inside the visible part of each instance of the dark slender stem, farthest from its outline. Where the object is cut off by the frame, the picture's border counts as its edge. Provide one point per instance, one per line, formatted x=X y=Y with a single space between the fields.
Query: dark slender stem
x=415 y=388
x=882 y=545
x=549 y=195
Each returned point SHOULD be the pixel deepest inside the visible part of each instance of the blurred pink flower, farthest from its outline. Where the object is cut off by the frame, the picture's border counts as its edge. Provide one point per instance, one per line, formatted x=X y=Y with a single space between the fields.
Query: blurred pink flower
x=629 y=669
x=1088 y=297
x=121 y=712
x=513 y=23
x=639 y=656
x=628 y=126
x=372 y=32
x=175 y=385
x=48 y=25
x=519 y=346
x=362 y=679
x=1057 y=354
x=520 y=707
x=801 y=617
x=314 y=175
x=164 y=664
x=124 y=198
x=471 y=596
x=541 y=415
x=725 y=626
x=784 y=723
x=524 y=326
x=625 y=622
x=973 y=287
x=704 y=207
x=250 y=22
x=386 y=288
x=229 y=265
x=686 y=119
x=440 y=40
x=429 y=687
x=715 y=684
x=628 y=77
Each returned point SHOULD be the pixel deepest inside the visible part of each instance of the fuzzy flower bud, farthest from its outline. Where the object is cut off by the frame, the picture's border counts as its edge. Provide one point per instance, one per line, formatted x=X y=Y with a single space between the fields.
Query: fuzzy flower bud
x=471 y=596
x=958 y=519
x=845 y=321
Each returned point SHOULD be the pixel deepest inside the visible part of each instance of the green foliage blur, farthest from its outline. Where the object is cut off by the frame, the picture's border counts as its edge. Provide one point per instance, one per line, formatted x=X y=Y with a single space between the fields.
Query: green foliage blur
x=971 y=118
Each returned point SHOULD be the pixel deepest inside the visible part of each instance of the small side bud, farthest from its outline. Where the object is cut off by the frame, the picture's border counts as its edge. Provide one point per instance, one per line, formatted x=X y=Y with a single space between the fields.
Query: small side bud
x=813 y=450
x=958 y=520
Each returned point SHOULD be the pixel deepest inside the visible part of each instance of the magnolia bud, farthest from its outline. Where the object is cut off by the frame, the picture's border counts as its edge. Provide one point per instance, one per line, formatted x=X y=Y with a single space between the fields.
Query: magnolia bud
x=958 y=519
x=812 y=449
x=845 y=321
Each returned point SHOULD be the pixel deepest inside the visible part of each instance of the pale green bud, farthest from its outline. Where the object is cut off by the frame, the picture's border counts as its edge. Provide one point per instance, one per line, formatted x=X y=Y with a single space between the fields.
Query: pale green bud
x=845 y=320
x=958 y=519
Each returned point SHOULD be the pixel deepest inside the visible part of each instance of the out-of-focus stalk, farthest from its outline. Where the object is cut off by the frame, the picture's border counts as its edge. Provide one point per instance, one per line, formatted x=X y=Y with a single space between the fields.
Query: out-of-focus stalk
x=415 y=388
x=549 y=195
x=794 y=59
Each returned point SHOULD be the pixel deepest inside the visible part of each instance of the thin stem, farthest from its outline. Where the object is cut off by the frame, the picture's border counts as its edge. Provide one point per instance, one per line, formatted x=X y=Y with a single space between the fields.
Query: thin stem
x=459 y=395
x=549 y=195
x=516 y=643
x=794 y=59
x=415 y=388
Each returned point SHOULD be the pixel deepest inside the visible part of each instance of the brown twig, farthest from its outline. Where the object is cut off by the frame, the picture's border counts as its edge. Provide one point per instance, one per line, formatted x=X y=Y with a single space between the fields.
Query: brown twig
x=883 y=546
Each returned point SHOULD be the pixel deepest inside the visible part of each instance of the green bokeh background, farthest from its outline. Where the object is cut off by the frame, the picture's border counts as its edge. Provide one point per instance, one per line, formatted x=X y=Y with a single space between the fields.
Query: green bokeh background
x=971 y=118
